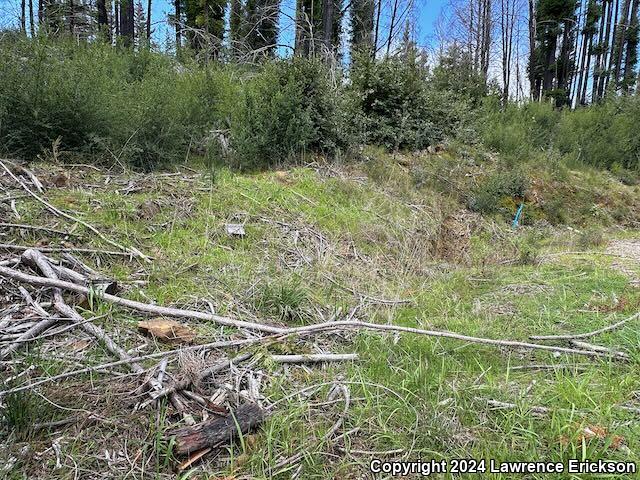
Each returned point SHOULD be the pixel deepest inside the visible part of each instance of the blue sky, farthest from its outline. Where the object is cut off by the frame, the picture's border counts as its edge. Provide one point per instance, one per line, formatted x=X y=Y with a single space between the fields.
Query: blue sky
x=426 y=12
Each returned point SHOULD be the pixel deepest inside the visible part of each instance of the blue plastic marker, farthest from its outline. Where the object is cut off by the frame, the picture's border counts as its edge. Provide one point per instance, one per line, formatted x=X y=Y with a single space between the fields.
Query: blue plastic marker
x=516 y=220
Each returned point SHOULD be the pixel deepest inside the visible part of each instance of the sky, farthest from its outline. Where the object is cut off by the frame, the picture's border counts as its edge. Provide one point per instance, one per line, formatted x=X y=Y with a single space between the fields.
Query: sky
x=426 y=14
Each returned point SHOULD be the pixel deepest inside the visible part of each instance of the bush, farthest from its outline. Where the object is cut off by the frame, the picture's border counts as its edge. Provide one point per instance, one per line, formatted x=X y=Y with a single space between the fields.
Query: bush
x=141 y=108
x=289 y=108
x=602 y=135
x=393 y=106
x=518 y=132
x=285 y=300
x=499 y=191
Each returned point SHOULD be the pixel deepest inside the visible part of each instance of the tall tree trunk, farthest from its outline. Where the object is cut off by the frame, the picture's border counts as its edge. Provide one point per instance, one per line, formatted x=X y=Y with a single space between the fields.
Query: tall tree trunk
x=116 y=17
x=631 y=55
x=375 y=36
x=583 y=92
x=40 y=13
x=598 y=65
x=32 y=26
x=127 y=24
x=392 y=24
x=535 y=94
x=327 y=24
x=72 y=16
x=611 y=42
x=178 y=21
x=235 y=23
x=618 y=46
x=23 y=17
x=506 y=31
x=149 y=23
x=362 y=24
x=582 y=72
x=549 y=62
x=103 y=19
x=485 y=39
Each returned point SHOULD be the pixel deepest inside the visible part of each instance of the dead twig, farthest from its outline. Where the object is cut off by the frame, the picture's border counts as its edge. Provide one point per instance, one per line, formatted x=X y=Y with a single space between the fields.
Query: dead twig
x=107 y=366
x=600 y=349
x=56 y=211
x=23 y=226
x=608 y=328
x=23 y=248
x=314 y=358
x=309 y=329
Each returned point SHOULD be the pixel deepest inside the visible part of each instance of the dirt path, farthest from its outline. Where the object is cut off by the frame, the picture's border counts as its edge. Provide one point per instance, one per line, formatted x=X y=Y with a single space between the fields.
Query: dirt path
x=628 y=261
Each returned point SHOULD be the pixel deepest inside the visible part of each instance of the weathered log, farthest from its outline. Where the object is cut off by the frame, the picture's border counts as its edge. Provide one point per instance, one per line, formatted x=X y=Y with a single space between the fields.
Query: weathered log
x=220 y=430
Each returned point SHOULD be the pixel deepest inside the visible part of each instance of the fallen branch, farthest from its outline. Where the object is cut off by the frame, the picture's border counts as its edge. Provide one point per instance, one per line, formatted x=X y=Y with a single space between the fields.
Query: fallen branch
x=22 y=248
x=309 y=329
x=600 y=349
x=608 y=328
x=182 y=384
x=39 y=260
x=34 y=331
x=23 y=226
x=220 y=430
x=314 y=358
x=134 y=305
x=106 y=366
x=534 y=409
x=56 y=211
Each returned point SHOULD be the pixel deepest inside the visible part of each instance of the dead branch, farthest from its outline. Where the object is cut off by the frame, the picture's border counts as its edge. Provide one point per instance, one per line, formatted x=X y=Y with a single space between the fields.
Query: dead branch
x=600 y=349
x=608 y=328
x=23 y=248
x=106 y=366
x=38 y=259
x=309 y=329
x=32 y=332
x=139 y=306
x=314 y=358
x=182 y=384
x=220 y=430
x=23 y=226
x=133 y=251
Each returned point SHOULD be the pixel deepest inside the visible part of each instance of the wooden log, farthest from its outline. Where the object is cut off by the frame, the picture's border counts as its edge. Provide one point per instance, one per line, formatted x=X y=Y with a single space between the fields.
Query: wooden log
x=218 y=431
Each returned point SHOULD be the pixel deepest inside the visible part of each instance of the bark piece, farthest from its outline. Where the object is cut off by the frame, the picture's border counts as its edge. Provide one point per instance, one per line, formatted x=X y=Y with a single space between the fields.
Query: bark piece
x=219 y=430
x=167 y=330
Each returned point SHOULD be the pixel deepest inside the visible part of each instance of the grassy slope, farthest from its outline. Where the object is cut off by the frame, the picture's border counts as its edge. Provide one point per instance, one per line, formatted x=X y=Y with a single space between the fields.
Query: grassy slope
x=393 y=228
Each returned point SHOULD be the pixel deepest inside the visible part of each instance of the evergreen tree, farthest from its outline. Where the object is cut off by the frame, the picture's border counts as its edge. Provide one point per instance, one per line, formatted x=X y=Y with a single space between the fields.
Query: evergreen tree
x=205 y=22
x=318 y=26
x=362 y=20
x=553 y=56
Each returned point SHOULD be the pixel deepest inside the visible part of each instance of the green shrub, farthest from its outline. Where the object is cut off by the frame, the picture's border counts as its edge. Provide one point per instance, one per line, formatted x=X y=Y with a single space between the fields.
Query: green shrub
x=289 y=108
x=393 y=107
x=602 y=135
x=518 y=132
x=285 y=300
x=499 y=191
x=590 y=238
x=142 y=108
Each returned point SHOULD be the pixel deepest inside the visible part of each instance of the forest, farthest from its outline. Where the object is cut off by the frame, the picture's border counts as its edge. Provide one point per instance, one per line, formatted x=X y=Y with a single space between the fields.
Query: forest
x=251 y=239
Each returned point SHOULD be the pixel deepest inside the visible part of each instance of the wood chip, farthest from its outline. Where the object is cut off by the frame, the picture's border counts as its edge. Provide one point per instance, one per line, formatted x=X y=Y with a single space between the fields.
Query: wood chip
x=167 y=330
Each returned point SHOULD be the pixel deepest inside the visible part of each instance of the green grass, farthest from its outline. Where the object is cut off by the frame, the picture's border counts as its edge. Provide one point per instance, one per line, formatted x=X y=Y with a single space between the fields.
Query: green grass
x=362 y=230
